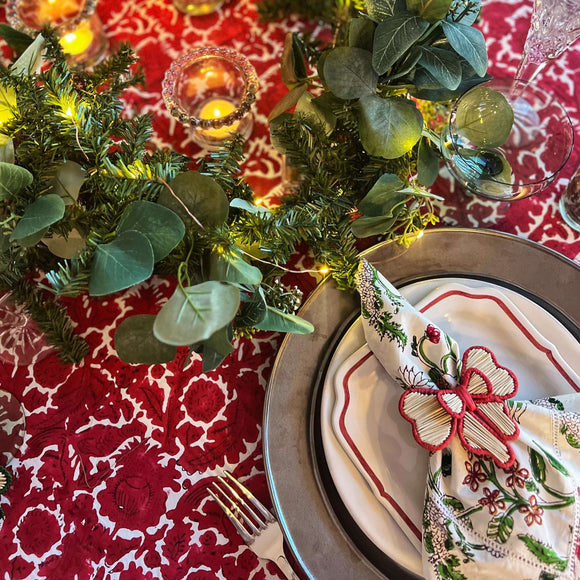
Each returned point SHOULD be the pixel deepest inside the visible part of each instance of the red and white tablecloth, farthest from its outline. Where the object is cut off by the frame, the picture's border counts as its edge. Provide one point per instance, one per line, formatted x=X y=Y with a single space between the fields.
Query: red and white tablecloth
x=111 y=480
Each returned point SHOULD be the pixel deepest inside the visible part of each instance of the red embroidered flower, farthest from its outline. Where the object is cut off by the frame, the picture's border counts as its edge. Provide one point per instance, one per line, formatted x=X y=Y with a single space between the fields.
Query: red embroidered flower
x=433 y=334
x=474 y=476
x=517 y=477
x=491 y=500
x=533 y=511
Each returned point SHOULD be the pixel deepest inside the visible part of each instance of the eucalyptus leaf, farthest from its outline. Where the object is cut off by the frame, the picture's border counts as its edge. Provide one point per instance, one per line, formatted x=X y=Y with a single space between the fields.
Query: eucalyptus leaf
x=360 y=33
x=68 y=181
x=309 y=106
x=126 y=261
x=427 y=164
x=429 y=89
x=39 y=215
x=161 y=226
x=382 y=9
x=293 y=67
x=394 y=38
x=469 y=43
x=278 y=321
x=389 y=127
x=13 y=179
x=443 y=65
x=194 y=313
x=365 y=227
x=287 y=101
x=135 y=342
x=253 y=310
x=32 y=239
x=465 y=11
x=66 y=247
x=250 y=207
x=349 y=73
x=378 y=199
x=430 y=10
x=29 y=61
x=217 y=347
x=6 y=149
x=15 y=39
x=201 y=195
x=231 y=267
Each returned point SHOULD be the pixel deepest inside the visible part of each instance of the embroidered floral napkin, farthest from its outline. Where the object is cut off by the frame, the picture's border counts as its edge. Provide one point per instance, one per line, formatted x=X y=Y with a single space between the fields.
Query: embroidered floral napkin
x=504 y=475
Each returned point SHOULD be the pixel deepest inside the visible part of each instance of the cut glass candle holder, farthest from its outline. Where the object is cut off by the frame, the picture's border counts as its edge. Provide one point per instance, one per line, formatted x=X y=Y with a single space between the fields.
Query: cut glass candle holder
x=80 y=29
x=197 y=7
x=212 y=90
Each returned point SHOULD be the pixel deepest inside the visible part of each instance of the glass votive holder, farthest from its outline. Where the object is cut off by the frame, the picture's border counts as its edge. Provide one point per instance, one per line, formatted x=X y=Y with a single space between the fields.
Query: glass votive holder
x=80 y=29
x=212 y=90
x=197 y=7
x=570 y=202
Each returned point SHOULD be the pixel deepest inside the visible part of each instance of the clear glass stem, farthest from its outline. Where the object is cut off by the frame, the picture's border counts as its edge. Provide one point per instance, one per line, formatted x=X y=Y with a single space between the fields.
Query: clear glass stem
x=528 y=69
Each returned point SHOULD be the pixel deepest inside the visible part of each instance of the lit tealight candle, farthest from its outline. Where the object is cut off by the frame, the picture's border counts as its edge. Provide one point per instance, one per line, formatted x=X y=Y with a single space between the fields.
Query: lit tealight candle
x=217 y=109
x=78 y=40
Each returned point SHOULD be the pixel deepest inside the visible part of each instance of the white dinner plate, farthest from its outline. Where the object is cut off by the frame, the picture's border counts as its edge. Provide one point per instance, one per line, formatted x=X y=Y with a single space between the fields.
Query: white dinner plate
x=378 y=469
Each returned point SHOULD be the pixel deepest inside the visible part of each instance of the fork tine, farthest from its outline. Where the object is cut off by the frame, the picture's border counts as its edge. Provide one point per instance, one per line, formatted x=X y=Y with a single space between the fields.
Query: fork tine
x=255 y=502
x=231 y=516
x=237 y=510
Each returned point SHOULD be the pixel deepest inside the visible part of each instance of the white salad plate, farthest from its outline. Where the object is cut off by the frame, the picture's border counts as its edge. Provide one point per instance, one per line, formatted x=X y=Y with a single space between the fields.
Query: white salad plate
x=378 y=469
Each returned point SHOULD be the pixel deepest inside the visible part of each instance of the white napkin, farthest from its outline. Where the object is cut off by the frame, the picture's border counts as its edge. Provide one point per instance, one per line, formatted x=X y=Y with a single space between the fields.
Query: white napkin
x=512 y=511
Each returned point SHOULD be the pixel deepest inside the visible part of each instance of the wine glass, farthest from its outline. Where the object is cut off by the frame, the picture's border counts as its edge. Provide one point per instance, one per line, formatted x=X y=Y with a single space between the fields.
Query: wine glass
x=526 y=159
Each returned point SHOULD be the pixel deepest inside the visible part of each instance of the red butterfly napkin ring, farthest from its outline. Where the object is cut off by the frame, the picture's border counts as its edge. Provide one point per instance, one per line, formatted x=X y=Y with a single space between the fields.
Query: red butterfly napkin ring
x=475 y=410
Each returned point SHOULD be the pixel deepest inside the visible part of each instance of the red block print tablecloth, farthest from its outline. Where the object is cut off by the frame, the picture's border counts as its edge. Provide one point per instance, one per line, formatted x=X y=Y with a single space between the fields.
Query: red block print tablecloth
x=111 y=480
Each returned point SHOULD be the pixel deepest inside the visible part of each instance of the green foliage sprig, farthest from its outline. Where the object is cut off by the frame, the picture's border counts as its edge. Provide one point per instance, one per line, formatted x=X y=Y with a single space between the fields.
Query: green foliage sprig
x=87 y=202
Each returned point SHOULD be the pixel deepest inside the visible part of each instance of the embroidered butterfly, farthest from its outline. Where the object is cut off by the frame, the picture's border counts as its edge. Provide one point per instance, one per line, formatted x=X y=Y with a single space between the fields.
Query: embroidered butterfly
x=475 y=409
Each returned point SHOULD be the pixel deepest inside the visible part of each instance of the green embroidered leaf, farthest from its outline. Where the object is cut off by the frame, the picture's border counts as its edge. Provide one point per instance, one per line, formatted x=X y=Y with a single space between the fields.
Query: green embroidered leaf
x=427 y=164
x=126 y=261
x=430 y=10
x=38 y=216
x=469 y=43
x=278 y=321
x=360 y=33
x=572 y=441
x=162 y=227
x=13 y=179
x=394 y=37
x=428 y=542
x=543 y=553
x=349 y=74
x=500 y=528
x=231 y=267
x=201 y=195
x=68 y=181
x=135 y=342
x=453 y=502
x=194 y=313
x=382 y=9
x=530 y=485
x=554 y=461
x=389 y=127
x=443 y=65
x=538 y=466
x=557 y=403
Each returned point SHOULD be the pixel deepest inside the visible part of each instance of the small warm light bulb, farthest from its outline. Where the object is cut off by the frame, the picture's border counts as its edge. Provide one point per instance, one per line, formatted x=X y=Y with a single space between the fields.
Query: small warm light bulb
x=259 y=200
x=324 y=270
x=69 y=113
x=420 y=234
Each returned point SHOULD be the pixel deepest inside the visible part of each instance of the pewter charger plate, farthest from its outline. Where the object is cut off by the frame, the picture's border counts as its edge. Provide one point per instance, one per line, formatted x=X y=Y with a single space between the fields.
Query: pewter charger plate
x=323 y=537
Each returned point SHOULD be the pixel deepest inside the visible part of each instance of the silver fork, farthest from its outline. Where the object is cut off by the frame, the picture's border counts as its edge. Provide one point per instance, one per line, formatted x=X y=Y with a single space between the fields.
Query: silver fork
x=260 y=531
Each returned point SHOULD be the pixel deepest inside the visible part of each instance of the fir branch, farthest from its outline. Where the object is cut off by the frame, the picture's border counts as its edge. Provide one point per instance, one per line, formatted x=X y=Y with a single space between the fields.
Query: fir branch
x=50 y=317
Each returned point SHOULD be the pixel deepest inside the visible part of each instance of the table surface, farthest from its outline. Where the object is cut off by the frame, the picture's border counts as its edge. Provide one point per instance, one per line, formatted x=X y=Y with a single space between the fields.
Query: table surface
x=111 y=480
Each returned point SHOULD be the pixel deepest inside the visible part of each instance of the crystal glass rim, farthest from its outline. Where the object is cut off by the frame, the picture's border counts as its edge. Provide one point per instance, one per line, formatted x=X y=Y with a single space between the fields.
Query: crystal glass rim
x=16 y=22
x=248 y=96
x=548 y=179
